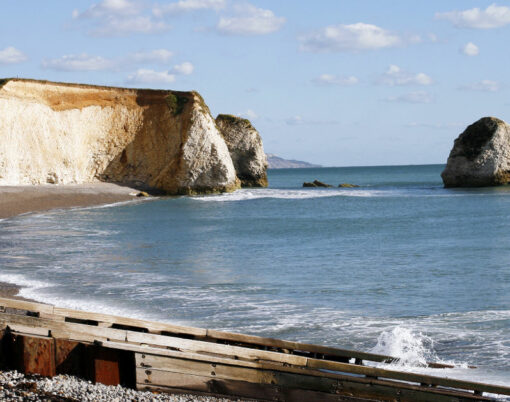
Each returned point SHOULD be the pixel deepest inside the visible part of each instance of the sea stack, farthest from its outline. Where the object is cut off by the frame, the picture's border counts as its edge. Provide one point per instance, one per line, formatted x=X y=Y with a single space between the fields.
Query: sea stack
x=246 y=150
x=151 y=139
x=480 y=156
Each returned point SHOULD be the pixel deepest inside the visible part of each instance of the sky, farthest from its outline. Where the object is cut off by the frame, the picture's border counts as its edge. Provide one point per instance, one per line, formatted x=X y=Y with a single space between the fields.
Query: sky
x=333 y=82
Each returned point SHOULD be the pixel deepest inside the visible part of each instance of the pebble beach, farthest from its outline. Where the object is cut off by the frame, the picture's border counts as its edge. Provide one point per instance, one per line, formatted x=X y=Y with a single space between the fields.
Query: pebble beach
x=15 y=386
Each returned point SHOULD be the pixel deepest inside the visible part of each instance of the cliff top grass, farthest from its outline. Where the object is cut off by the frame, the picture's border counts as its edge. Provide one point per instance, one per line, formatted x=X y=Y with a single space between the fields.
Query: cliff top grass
x=229 y=118
x=3 y=81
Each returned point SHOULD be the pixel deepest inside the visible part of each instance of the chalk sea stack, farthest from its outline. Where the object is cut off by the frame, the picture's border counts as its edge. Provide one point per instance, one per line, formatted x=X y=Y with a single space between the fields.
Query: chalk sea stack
x=152 y=139
x=480 y=156
x=246 y=149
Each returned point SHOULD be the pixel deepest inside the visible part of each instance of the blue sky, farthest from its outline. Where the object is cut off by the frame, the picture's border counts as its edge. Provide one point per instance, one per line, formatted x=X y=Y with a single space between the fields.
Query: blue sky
x=340 y=83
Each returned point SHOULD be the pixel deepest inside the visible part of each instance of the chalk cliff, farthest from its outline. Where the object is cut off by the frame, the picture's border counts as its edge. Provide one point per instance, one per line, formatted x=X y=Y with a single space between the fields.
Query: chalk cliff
x=480 y=155
x=69 y=133
x=246 y=149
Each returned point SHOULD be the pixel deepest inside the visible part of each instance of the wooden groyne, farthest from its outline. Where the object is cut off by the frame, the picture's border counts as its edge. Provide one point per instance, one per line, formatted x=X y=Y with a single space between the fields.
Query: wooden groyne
x=146 y=355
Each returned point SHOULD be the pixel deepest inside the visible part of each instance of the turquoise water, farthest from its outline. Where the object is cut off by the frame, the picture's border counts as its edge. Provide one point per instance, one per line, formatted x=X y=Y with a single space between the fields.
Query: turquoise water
x=399 y=265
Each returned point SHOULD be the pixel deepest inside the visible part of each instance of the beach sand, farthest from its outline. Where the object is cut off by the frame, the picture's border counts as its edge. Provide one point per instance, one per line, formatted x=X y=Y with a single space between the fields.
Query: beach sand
x=15 y=200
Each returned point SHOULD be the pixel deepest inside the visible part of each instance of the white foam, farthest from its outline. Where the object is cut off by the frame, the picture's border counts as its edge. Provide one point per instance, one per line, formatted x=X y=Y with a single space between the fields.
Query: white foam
x=28 y=286
x=411 y=349
x=253 y=194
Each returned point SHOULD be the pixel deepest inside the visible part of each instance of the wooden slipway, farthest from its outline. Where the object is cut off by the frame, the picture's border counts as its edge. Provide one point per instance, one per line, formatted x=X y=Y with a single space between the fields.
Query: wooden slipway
x=47 y=340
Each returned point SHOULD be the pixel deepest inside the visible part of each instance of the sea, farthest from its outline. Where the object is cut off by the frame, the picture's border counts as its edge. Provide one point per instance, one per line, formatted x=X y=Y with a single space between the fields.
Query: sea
x=399 y=265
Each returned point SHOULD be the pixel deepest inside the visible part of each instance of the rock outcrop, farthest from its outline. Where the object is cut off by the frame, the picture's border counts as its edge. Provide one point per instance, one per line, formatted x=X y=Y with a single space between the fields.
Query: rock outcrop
x=480 y=155
x=316 y=183
x=246 y=149
x=151 y=139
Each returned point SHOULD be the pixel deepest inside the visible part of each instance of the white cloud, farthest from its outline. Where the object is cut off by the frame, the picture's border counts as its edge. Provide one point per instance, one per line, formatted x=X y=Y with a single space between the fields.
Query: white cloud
x=110 y=7
x=145 y=76
x=249 y=114
x=11 y=55
x=85 y=62
x=185 y=68
x=330 y=79
x=299 y=121
x=493 y=16
x=412 y=97
x=188 y=5
x=81 y=62
x=250 y=20
x=470 y=49
x=114 y=26
x=153 y=56
x=119 y=17
x=339 y=38
x=395 y=76
x=483 y=85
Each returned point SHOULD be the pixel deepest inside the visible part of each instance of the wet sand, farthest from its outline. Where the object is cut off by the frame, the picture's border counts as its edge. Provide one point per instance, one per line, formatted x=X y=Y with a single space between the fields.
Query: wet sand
x=15 y=200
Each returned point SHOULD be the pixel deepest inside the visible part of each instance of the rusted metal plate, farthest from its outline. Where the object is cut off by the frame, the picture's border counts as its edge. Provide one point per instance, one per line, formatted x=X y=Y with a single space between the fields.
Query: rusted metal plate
x=69 y=358
x=34 y=355
x=106 y=366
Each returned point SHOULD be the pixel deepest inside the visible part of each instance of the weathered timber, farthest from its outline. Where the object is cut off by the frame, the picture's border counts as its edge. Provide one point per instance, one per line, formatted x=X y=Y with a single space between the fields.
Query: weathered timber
x=145 y=354
x=243 y=340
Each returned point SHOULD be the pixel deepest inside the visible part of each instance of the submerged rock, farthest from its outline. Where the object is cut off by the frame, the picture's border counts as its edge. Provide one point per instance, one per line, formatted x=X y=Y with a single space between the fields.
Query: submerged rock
x=480 y=156
x=316 y=183
x=246 y=149
x=347 y=185
x=69 y=133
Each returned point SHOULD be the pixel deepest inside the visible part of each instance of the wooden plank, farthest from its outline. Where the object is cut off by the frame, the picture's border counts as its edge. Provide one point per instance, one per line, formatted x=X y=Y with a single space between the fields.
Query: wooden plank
x=407 y=376
x=29 y=330
x=26 y=305
x=157 y=327
x=65 y=330
x=150 y=326
x=154 y=357
x=206 y=385
x=206 y=369
x=168 y=381
x=239 y=352
x=214 y=348
x=297 y=380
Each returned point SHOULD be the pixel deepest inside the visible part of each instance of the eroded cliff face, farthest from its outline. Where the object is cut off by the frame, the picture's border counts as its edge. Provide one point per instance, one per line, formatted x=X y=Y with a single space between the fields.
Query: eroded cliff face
x=67 y=133
x=480 y=155
x=246 y=149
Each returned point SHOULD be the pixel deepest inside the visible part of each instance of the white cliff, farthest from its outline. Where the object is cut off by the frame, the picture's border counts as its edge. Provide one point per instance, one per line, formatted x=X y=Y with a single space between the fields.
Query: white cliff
x=69 y=133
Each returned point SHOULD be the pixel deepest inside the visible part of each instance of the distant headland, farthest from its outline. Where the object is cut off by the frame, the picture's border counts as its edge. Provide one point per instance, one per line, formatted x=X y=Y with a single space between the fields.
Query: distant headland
x=275 y=162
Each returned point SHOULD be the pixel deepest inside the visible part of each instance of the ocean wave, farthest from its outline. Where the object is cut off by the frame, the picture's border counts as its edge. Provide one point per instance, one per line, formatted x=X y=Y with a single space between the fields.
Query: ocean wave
x=294 y=194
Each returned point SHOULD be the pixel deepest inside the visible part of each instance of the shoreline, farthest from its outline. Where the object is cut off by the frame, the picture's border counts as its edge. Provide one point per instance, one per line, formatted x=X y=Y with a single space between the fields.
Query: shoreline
x=11 y=291
x=17 y=200
x=26 y=199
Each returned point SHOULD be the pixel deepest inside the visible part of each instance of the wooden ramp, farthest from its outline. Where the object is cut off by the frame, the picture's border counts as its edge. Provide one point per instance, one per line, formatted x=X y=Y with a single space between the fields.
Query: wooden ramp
x=43 y=339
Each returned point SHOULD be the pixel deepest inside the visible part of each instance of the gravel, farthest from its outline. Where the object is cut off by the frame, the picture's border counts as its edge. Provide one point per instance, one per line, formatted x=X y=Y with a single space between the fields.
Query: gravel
x=15 y=386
